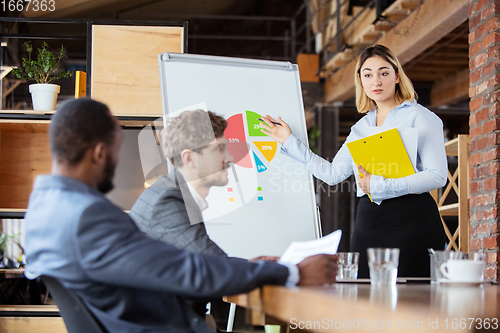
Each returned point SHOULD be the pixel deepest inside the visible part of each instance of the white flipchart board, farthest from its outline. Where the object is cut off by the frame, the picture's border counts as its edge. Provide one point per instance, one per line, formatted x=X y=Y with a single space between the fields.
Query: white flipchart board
x=270 y=202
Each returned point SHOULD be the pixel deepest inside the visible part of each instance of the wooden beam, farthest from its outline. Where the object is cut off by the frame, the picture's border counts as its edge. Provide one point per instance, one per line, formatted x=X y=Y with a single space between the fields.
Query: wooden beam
x=436 y=19
x=396 y=17
x=383 y=27
x=354 y=34
x=445 y=68
x=410 y=5
x=463 y=61
x=371 y=37
x=425 y=76
x=451 y=90
x=450 y=54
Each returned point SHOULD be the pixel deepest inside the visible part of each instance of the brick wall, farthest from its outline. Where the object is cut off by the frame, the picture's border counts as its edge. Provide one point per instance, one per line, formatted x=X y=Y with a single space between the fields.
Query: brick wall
x=484 y=92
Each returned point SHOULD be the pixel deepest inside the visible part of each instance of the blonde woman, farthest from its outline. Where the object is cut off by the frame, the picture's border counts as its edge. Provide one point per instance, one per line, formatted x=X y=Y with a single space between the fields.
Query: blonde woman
x=403 y=214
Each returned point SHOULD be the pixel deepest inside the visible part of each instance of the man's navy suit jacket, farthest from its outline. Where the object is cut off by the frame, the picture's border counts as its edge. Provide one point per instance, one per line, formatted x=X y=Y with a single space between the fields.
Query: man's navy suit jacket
x=130 y=282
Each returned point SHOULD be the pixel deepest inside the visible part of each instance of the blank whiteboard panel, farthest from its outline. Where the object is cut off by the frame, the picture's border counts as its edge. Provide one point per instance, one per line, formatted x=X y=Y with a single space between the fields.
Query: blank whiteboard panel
x=269 y=200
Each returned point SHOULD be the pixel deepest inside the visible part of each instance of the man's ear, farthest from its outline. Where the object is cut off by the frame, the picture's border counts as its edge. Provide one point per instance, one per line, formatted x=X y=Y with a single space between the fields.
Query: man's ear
x=99 y=152
x=187 y=158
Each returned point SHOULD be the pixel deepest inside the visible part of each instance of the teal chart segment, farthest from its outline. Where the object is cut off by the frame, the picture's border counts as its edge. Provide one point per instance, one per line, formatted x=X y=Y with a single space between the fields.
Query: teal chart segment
x=258 y=163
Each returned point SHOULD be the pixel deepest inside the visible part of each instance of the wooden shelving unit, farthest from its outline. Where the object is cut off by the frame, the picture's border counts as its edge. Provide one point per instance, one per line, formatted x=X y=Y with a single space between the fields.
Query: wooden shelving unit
x=458 y=182
x=122 y=67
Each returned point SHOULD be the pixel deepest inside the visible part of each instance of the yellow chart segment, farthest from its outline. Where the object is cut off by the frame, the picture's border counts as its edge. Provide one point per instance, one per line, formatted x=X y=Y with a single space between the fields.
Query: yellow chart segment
x=267 y=148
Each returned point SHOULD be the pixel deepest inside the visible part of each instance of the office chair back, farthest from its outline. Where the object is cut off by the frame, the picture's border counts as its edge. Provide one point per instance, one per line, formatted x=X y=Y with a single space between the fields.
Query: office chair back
x=76 y=316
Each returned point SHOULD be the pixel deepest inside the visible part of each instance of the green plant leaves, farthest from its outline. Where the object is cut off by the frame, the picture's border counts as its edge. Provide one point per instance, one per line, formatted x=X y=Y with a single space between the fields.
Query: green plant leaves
x=5 y=238
x=44 y=68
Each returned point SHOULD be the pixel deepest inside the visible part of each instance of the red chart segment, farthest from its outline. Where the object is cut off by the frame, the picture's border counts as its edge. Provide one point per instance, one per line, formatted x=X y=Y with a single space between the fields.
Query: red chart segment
x=237 y=146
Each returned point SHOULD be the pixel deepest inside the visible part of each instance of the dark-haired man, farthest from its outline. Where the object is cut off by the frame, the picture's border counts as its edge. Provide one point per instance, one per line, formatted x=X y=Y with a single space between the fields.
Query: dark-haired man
x=130 y=282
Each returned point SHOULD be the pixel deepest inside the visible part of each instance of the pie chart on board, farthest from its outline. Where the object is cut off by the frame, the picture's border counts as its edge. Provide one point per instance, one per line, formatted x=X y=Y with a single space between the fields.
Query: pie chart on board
x=238 y=143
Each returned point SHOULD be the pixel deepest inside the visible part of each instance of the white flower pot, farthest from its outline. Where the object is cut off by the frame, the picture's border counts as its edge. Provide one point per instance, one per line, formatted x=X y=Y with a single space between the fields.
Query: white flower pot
x=44 y=96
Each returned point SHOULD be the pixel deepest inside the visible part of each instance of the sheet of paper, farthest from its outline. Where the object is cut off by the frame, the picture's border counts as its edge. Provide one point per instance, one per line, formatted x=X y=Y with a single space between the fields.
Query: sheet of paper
x=410 y=140
x=298 y=251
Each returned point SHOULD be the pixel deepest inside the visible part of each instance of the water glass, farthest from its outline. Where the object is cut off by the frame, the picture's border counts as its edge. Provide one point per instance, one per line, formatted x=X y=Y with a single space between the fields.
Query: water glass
x=440 y=257
x=383 y=263
x=477 y=256
x=348 y=266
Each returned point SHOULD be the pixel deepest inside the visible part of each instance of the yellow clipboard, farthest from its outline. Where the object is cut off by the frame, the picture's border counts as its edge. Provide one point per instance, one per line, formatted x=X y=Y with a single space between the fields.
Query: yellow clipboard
x=382 y=154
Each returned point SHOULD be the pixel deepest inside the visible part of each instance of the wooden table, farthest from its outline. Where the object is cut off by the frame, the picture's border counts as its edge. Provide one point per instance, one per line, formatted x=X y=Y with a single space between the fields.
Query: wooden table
x=12 y=273
x=412 y=307
x=31 y=318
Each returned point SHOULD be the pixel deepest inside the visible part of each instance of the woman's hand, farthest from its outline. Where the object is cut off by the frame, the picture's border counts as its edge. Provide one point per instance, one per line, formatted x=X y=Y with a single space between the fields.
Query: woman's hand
x=364 y=182
x=277 y=132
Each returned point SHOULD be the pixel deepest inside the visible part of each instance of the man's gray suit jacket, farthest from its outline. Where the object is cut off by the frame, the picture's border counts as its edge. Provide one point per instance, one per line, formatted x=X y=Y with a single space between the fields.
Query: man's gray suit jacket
x=166 y=211
x=130 y=282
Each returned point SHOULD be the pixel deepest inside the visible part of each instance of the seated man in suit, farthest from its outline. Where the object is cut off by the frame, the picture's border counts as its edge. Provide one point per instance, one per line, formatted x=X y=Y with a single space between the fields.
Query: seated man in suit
x=130 y=282
x=171 y=209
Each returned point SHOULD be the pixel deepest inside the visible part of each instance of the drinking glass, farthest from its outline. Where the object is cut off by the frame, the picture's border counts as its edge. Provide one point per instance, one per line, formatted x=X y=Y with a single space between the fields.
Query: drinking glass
x=348 y=266
x=383 y=263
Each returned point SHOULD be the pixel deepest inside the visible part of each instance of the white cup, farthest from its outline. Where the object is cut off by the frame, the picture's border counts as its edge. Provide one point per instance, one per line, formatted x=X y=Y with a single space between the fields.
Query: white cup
x=457 y=270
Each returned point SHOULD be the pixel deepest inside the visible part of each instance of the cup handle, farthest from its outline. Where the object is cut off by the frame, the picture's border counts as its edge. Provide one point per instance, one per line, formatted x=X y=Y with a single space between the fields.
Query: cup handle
x=444 y=269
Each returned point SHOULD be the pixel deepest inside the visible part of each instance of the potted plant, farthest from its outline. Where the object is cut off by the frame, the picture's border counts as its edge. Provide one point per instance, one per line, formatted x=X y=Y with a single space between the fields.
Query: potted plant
x=43 y=69
x=5 y=261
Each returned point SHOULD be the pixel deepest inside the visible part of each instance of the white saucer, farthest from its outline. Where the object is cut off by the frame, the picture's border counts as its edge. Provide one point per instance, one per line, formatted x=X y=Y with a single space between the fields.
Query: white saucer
x=354 y=281
x=460 y=283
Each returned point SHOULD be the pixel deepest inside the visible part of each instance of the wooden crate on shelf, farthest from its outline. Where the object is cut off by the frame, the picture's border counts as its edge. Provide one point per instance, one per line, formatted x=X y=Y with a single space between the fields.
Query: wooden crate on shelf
x=125 y=73
x=24 y=154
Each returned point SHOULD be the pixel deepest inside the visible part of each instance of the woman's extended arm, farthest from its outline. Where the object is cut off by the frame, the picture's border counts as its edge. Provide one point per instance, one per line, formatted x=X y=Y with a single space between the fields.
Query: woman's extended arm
x=331 y=173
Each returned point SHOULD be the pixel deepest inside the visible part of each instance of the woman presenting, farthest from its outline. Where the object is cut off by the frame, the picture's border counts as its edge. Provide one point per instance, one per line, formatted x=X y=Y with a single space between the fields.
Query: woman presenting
x=403 y=214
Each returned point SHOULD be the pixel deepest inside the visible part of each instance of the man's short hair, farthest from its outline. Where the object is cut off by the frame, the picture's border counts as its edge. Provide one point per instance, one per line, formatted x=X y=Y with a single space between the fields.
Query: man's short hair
x=192 y=130
x=77 y=126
